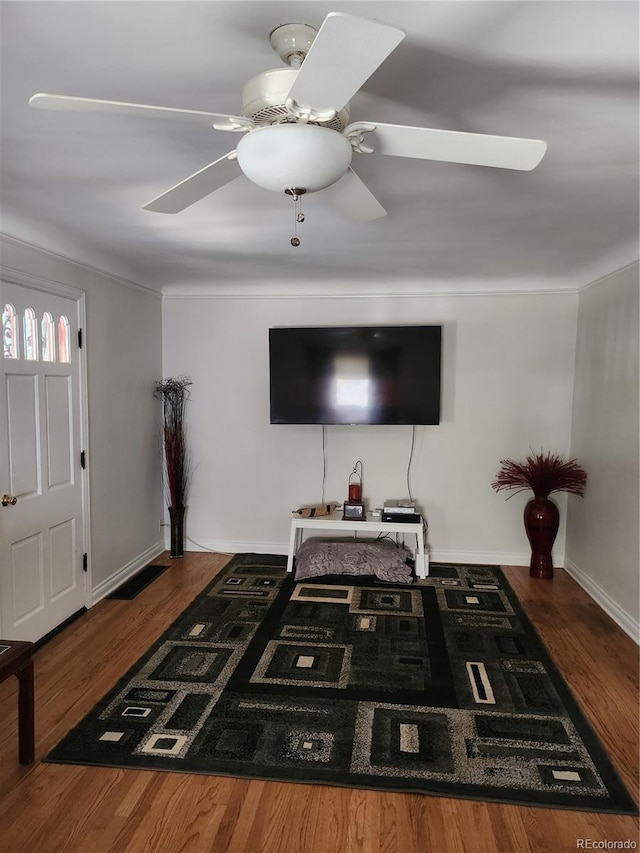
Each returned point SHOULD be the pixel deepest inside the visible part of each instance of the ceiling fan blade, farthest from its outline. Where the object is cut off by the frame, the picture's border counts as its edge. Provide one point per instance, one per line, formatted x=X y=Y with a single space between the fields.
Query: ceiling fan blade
x=344 y=54
x=353 y=199
x=197 y=186
x=70 y=103
x=476 y=149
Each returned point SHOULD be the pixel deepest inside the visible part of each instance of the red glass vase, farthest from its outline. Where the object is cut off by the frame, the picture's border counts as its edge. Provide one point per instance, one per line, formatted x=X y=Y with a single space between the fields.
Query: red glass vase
x=541 y=520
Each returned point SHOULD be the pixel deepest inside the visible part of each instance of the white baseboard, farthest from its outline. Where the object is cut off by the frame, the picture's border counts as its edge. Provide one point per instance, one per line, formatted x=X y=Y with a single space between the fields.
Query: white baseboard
x=229 y=546
x=628 y=624
x=493 y=558
x=468 y=557
x=116 y=580
x=483 y=558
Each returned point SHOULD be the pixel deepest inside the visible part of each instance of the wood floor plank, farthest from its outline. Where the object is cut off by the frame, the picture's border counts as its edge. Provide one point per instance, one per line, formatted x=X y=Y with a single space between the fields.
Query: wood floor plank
x=236 y=832
x=395 y=823
x=331 y=806
x=363 y=826
x=46 y=808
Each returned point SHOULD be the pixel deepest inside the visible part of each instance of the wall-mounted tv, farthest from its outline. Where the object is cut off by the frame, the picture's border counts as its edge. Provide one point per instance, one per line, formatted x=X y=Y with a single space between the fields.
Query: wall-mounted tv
x=355 y=375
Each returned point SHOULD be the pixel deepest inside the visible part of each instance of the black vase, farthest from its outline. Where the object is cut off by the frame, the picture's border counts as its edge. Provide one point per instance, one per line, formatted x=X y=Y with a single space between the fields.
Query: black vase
x=176 y=516
x=541 y=521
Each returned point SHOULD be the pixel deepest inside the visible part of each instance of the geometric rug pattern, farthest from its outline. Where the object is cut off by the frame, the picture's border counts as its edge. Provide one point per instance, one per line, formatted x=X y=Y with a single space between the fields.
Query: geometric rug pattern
x=438 y=687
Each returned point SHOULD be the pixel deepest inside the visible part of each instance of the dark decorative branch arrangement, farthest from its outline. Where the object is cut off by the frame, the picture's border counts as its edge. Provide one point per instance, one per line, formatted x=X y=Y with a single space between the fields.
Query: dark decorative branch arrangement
x=543 y=473
x=174 y=393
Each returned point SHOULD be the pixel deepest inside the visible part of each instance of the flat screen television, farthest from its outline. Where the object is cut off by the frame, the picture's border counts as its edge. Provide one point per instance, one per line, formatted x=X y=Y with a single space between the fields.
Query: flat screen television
x=355 y=375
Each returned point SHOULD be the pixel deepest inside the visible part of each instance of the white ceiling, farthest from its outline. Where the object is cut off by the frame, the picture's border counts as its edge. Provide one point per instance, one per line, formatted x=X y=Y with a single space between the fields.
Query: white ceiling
x=566 y=72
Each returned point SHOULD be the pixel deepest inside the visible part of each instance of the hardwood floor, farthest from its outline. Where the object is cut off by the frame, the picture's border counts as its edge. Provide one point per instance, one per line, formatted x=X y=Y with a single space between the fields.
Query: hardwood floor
x=45 y=808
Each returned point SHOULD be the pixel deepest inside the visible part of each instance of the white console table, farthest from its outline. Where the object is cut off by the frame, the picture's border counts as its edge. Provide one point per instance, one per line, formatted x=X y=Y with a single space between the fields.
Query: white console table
x=373 y=524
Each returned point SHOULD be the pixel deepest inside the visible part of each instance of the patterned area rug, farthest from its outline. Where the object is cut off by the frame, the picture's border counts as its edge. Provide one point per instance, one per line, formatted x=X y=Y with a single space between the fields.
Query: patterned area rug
x=439 y=687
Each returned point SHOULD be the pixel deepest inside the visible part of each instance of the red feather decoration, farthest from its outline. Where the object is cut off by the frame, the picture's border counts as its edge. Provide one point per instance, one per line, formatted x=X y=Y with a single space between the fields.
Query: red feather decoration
x=543 y=473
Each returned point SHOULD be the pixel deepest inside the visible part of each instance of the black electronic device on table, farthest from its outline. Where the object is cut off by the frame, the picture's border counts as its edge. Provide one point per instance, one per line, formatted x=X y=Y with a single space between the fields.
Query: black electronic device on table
x=402 y=517
x=402 y=511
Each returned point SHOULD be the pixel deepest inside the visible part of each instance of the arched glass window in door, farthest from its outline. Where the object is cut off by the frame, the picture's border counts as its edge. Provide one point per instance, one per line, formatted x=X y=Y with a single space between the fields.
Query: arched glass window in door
x=48 y=337
x=64 y=344
x=30 y=335
x=9 y=332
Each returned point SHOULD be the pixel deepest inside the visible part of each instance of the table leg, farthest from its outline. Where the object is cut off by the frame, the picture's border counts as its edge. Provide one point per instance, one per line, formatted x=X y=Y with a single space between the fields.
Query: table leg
x=26 y=715
x=422 y=560
x=292 y=547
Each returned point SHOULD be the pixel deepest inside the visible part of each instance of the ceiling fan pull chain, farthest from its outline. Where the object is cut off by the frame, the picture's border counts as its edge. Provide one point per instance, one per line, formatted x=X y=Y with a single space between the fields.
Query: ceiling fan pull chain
x=296 y=194
x=295 y=240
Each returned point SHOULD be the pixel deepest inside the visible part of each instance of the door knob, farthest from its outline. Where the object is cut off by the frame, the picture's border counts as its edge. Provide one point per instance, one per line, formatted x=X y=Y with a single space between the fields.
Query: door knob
x=8 y=500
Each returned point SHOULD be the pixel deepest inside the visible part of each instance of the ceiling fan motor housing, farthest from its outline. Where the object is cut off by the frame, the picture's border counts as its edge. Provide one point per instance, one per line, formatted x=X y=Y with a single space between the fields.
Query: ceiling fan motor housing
x=264 y=99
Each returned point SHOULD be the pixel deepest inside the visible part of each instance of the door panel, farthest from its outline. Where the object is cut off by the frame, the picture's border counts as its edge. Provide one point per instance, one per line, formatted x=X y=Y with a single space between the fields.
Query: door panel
x=24 y=439
x=42 y=537
x=27 y=580
x=59 y=430
x=63 y=558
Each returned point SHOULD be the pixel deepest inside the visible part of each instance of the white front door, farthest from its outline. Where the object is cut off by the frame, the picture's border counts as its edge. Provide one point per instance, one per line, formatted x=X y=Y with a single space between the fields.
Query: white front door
x=42 y=581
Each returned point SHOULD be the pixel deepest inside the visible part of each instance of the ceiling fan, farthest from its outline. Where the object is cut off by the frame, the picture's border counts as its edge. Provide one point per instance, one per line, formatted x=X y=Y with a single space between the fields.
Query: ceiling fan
x=295 y=120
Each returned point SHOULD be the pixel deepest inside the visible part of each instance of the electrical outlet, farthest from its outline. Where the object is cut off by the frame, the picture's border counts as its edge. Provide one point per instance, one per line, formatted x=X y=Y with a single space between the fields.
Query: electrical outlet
x=160 y=525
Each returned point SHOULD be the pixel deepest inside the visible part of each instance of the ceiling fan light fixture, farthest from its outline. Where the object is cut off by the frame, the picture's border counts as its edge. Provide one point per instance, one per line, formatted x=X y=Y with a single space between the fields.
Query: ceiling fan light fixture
x=294 y=155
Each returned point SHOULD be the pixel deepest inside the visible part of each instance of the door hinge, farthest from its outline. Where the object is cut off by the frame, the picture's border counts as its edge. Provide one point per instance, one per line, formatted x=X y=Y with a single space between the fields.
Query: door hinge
x=83 y=460
x=79 y=338
x=85 y=562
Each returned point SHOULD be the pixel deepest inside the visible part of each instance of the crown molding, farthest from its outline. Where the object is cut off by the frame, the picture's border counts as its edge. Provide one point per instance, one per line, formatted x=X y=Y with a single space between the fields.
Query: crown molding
x=18 y=274
x=604 y=278
x=399 y=289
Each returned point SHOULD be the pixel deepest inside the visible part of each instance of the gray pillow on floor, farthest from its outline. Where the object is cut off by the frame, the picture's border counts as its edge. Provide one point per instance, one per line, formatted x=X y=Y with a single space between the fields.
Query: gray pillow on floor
x=384 y=559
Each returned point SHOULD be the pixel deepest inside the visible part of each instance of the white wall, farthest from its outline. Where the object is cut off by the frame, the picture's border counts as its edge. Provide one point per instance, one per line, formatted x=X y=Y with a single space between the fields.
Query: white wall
x=602 y=538
x=123 y=339
x=506 y=389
